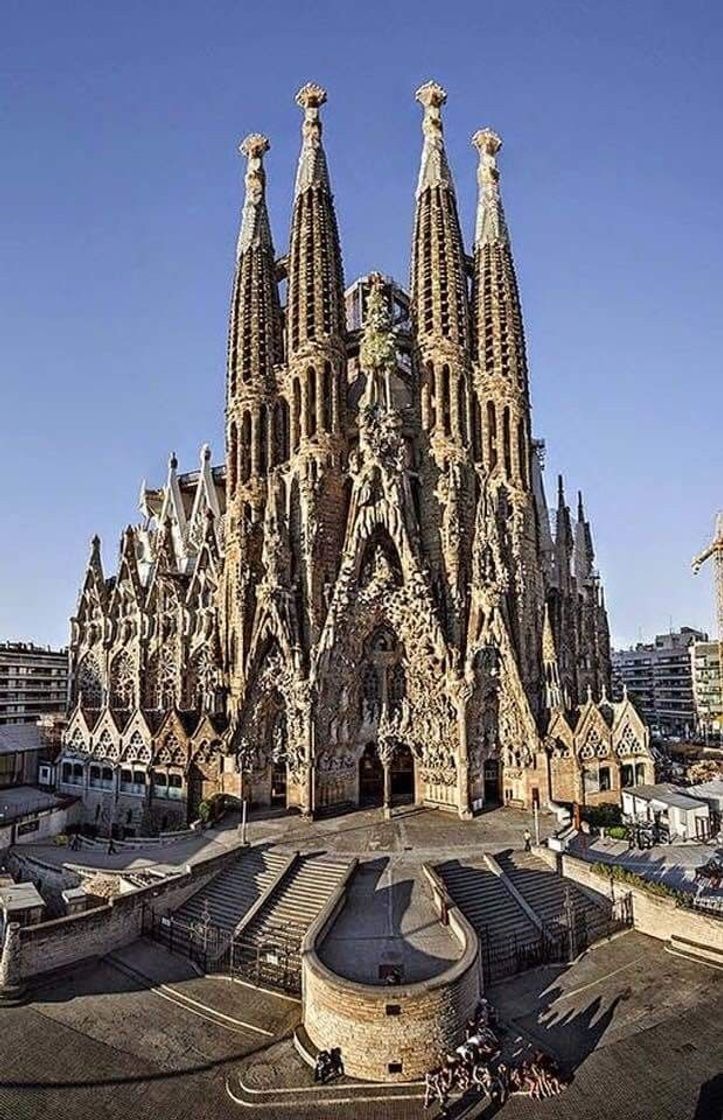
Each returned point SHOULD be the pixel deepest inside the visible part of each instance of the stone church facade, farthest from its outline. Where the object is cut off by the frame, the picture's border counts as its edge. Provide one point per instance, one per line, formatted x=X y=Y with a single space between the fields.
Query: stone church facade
x=366 y=602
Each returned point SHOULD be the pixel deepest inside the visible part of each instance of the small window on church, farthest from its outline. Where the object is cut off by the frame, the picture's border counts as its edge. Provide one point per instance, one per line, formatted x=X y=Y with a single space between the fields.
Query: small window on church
x=605 y=779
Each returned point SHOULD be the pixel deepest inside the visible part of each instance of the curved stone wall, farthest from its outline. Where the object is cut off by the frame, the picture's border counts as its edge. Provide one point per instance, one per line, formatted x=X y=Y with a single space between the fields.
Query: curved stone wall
x=390 y=1033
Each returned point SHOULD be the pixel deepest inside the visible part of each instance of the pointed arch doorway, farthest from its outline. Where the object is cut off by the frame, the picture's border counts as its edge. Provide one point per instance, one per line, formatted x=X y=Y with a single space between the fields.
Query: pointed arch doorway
x=371 y=777
x=402 y=776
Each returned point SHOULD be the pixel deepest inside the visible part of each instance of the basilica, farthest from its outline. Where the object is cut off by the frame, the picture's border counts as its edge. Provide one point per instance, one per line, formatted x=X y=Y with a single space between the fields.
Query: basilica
x=369 y=601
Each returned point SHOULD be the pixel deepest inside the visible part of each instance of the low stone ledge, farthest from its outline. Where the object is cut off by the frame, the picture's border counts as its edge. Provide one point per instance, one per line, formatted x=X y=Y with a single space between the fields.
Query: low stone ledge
x=388 y=1033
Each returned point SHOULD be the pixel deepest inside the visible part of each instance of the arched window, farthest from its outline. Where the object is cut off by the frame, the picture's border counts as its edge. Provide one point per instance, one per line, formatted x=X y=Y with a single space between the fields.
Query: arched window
x=122 y=682
x=296 y=415
x=89 y=683
x=522 y=451
x=432 y=396
x=506 y=445
x=462 y=409
x=476 y=431
x=491 y=436
x=233 y=457
x=281 y=431
x=327 y=403
x=245 y=451
x=446 y=404
x=311 y=402
x=263 y=440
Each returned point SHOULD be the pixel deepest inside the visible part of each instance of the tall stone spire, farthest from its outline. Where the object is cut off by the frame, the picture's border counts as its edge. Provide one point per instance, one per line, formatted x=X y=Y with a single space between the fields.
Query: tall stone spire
x=440 y=306
x=316 y=283
x=255 y=337
x=584 y=553
x=564 y=541
x=316 y=379
x=255 y=357
x=497 y=316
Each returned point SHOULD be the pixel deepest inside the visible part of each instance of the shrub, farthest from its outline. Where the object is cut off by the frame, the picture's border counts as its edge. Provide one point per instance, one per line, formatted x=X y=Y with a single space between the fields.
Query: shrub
x=602 y=816
x=623 y=875
x=617 y=832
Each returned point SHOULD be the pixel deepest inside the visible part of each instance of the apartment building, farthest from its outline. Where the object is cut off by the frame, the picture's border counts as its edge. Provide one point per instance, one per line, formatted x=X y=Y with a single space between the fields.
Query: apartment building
x=658 y=676
x=33 y=681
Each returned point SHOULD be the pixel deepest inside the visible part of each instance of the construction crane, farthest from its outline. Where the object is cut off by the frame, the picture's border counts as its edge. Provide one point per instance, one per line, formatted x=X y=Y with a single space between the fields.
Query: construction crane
x=715 y=550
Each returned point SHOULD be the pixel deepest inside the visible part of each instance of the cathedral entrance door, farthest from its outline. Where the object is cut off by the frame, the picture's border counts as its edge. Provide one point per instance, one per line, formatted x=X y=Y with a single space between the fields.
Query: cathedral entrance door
x=402 y=776
x=492 y=779
x=371 y=777
x=278 y=784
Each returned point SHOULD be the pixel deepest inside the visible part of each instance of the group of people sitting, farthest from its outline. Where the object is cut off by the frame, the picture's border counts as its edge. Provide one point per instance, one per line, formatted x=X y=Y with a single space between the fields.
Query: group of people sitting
x=476 y=1065
x=329 y=1064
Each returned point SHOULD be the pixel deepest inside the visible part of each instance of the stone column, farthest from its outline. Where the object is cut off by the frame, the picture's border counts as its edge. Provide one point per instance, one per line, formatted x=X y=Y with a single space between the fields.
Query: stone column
x=309 y=796
x=385 y=751
x=464 y=693
x=11 y=986
x=387 y=790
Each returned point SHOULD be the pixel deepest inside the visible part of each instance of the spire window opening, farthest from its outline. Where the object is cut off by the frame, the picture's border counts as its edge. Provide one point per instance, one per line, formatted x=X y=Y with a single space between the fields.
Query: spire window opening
x=476 y=431
x=462 y=409
x=233 y=457
x=296 y=414
x=506 y=443
x=245 y=449
x=432 y=396
x=311 y=402
x=327 y=398
x=522 y=451
x=491 y=436
x=446 y=404
x=281 y=431
x=263 y=458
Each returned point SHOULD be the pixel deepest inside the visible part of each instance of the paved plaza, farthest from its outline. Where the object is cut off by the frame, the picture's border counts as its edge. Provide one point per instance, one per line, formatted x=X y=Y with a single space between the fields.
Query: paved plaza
x=639 y=1028
x=142 y=1034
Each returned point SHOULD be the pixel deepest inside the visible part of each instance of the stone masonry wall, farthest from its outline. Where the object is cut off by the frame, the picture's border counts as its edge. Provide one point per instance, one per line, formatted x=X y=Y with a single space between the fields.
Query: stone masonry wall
x=379 y=1028
x=67 y=940
x=390 y=1033
x=656 y=917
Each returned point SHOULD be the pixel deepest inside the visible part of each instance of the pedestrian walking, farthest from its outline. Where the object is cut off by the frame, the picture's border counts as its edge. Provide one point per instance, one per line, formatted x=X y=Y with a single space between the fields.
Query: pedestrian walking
x=527 y=836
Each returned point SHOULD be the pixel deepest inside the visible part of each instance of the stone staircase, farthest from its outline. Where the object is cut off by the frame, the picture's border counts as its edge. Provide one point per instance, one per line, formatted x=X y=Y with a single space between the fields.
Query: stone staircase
x=232 y=893
x=485 y=901
x=546 y=893
x=275 y=931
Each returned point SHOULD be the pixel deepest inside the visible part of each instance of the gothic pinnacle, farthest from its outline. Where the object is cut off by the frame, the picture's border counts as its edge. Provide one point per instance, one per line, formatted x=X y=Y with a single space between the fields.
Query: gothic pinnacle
x=312 y=170
x=490 y=225
x=434 y=168
x=255 y=228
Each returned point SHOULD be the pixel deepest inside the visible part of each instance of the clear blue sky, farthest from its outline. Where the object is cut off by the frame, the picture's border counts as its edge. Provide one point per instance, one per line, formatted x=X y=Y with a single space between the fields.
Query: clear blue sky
x=119 y=200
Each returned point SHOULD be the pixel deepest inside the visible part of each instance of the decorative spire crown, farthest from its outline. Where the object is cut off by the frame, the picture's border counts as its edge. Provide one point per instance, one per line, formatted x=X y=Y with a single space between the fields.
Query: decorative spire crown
x=255 y=231
x=312 y=170
x=434 y=169
x=491 y=225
